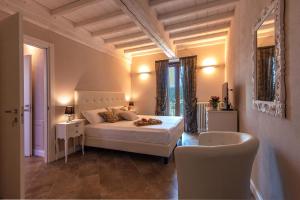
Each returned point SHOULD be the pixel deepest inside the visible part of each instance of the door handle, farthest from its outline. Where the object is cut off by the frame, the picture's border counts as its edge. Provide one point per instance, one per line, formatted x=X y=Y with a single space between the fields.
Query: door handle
x=27 y=108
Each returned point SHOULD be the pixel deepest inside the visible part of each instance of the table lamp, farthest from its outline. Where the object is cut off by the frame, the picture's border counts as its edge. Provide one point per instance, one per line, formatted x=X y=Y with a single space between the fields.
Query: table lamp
x=69 y=111
x=130 y=105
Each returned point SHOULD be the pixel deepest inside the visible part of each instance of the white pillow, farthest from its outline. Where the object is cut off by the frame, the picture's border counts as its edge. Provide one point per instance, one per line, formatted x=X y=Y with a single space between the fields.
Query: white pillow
x=93 y=116
x=128 y=115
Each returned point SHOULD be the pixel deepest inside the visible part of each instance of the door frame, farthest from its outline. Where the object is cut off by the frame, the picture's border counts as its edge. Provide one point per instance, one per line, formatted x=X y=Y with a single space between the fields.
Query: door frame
x=49 y=101
x=30 y=108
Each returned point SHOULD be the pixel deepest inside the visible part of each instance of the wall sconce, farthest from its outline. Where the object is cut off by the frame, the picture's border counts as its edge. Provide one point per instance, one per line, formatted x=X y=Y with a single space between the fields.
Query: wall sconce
x=144 y=75
x=144 y=72
x=209 y=65
x=209 y=69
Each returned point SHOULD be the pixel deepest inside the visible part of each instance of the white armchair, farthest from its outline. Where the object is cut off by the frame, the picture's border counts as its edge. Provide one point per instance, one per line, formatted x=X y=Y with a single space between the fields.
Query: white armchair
x=218 y=168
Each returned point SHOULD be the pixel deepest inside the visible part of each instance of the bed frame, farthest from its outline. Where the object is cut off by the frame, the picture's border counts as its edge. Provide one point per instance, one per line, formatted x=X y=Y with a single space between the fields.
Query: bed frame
x=87 y=100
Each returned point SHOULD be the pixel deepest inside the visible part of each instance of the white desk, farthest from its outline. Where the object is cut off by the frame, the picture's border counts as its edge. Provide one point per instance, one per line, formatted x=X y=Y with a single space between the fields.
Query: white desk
x=66 y=130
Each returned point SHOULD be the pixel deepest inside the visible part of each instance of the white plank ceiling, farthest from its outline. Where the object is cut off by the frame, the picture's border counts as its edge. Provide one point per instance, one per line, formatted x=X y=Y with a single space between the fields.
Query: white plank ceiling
x=141 y=27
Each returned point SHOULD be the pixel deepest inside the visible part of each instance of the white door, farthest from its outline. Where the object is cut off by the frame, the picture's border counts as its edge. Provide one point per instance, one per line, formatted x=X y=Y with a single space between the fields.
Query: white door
x=11 y=102
x=27 y=106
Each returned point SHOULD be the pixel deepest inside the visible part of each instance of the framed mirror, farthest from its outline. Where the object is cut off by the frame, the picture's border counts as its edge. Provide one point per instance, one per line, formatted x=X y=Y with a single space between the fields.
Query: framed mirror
x=269 y=63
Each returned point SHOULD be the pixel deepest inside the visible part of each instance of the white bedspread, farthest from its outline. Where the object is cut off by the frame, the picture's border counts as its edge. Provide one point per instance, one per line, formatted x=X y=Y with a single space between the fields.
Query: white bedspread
x=126 y=131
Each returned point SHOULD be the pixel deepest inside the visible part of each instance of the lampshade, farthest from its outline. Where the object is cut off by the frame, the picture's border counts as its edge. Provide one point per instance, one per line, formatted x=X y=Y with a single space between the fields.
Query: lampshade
x=69 y=110
x=131 y=103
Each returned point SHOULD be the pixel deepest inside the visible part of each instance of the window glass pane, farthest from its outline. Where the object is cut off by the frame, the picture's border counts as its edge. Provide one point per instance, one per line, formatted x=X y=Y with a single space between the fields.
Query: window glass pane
x=171 y=91
x=181 y=90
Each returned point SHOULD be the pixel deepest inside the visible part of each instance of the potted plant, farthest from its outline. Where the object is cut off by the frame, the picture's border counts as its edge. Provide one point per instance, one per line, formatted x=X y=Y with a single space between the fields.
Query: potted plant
x=214 y=101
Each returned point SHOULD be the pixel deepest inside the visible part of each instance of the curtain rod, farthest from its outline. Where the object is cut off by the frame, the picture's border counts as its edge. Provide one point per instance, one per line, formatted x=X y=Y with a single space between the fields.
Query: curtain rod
x=174 y=60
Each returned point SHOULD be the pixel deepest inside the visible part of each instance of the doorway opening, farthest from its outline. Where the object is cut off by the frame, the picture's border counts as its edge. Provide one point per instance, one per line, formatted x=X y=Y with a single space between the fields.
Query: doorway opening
x=35 y=101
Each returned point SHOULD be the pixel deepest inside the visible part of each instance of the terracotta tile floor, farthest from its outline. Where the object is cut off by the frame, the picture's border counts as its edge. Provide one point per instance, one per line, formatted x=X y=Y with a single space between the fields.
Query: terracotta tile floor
x=103 y=173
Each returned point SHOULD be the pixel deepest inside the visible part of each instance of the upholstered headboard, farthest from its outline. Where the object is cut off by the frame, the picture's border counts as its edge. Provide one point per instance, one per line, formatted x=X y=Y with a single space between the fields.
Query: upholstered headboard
x=88 y=100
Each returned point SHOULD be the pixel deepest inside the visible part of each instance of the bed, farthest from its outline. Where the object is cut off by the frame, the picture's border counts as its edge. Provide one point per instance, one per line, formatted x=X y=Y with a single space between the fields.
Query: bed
x=159 y=140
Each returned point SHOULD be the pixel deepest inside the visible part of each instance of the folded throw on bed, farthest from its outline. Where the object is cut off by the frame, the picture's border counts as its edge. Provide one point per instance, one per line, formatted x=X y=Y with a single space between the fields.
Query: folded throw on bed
x=147 y=122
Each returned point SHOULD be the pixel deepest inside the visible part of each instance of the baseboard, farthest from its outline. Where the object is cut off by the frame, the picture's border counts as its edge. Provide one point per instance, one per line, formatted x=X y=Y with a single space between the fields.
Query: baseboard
x=255 y=191
x=39 y=153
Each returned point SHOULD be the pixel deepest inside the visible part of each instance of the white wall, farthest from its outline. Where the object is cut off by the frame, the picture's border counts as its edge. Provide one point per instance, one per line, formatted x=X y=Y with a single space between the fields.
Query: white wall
x=80 y=67
x=144 y=91
x=276 y=171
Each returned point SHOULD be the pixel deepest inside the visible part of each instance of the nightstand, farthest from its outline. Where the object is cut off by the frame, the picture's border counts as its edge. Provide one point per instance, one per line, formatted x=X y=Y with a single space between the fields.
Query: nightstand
x=67 y=130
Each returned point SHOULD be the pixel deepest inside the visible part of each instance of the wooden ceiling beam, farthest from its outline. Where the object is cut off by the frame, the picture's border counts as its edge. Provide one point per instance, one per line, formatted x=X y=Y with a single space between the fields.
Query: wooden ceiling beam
x=40 y=16
x=267 y=26
x=158 y=3
x=205 y=7
x=114 y=29
x=213 y=36
x=265 y=34
x=125 y=38
x=202 y=30
x=221 y=17
x=262 y=30
x=146 y=53
x=133 y=44
x=140 y=13
x=201 y=44
x=143 y=48
x=71 y=7
x=99 y=19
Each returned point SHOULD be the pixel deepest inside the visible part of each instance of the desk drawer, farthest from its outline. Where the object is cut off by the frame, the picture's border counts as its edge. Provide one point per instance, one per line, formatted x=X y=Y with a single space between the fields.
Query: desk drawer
x=75 y=129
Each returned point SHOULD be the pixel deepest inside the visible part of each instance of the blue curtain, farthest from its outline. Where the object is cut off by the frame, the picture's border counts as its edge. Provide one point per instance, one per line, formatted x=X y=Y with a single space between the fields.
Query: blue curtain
x=189 y=65
x=161 y=69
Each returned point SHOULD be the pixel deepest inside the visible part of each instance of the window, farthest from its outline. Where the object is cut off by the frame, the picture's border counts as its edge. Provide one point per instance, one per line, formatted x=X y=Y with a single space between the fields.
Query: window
x=171 y=92
x=175 y=93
